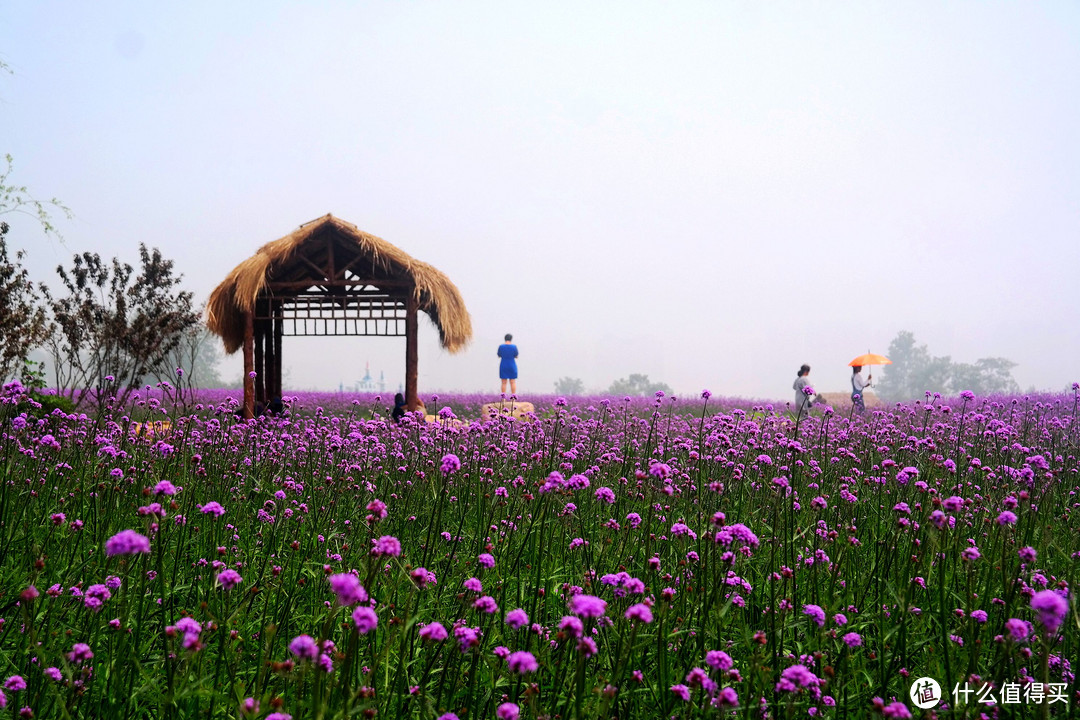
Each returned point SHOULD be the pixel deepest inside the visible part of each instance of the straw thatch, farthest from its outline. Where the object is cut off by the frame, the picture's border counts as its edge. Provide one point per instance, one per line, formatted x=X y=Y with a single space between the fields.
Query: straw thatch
x=434 y=292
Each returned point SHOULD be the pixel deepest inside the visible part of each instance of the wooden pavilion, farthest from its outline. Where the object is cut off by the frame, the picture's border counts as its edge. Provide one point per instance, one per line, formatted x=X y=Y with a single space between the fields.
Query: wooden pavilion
x=329 y=278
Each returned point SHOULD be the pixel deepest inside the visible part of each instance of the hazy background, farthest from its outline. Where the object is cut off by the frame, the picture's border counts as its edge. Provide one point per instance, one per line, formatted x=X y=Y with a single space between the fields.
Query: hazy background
x=709 y=193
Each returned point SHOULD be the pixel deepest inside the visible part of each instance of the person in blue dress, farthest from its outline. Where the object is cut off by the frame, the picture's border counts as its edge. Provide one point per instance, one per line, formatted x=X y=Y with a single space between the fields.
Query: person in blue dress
x=508 y=353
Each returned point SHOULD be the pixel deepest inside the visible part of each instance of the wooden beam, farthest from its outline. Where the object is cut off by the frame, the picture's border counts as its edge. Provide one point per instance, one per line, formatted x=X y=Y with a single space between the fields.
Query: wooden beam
x=249 y=364
x=348 y=266
x=378 y=283
x=412 y=401
x=297 y=273
x=331 y=274
x=322 y=271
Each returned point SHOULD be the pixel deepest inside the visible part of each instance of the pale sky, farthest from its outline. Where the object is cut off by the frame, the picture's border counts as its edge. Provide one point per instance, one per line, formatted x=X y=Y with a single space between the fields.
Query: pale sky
x=708 y=193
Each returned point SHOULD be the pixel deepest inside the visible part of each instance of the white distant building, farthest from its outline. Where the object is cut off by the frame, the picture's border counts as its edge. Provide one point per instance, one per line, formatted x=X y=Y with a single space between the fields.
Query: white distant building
x=368 y=384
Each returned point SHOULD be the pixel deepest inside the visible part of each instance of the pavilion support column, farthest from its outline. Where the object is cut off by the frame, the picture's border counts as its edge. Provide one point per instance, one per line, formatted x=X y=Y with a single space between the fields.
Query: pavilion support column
x=249 y=363
x=278 y=331
x=270 y=361
x=268 y=358
x=260 y=363
x=412 y=401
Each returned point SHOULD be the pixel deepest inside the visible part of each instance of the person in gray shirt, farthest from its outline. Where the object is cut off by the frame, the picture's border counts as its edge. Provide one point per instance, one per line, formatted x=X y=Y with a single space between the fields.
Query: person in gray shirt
x=803 y=400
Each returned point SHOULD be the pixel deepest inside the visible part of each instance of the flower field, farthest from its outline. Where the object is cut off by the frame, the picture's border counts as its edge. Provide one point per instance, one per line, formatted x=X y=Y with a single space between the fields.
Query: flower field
x=632 y=559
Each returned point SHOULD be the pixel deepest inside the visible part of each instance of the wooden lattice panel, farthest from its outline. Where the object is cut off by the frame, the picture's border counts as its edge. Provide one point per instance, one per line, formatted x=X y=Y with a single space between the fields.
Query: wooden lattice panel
x=361 y=314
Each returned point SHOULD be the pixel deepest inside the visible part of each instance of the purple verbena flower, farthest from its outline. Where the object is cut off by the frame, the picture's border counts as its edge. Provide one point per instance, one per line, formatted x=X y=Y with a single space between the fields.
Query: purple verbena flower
x=229 y=578
x=571 y=625
x=587 y=606
x=434 y=632
x=728 y=696
x=897 y=710
x=486 y=603
x=639 y=612
x=422 y=577
x=1051 y=608
x=522 y=662
x=815 y=613
x=15 y=683
x=795 y=678
x=164 y=488
x=1018 y=630
x=80 y=652
x=450 y=464
x=517 y=618
x=387 y=545
x=348 y=589
x=365 y=619
x=213 y=508
x=304 y=647
x=127 y=542
x=718 y=660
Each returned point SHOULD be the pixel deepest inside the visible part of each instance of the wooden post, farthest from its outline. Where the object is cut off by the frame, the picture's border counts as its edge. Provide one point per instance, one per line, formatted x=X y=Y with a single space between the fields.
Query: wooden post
x=268 y=361
x=278 y=331
x=412 y=402
x=260 y=363
x=249 y=363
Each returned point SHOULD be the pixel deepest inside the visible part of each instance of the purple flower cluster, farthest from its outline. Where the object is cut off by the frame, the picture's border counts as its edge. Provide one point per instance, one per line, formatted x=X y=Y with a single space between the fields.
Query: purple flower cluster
x=348 y=589
x=127 y=542
x=615 y=534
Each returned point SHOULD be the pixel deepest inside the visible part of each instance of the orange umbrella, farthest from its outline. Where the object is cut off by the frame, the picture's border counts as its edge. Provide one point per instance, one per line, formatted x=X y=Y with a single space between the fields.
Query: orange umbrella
x=870 y=359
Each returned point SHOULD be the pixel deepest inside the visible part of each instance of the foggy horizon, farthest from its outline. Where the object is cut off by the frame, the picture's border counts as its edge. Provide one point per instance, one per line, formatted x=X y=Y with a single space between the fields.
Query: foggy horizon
x=710 y=195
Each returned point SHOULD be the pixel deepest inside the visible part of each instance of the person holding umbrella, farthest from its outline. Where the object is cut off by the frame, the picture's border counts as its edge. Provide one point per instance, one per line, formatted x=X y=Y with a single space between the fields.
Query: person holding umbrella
x=857 y=384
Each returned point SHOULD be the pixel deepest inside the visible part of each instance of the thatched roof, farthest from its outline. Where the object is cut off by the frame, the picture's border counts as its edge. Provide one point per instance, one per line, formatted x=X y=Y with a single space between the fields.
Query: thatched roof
x=434 y=292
